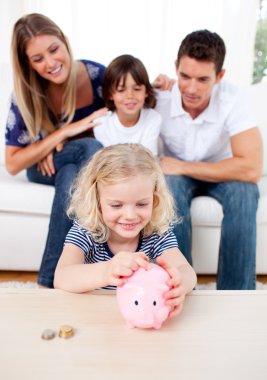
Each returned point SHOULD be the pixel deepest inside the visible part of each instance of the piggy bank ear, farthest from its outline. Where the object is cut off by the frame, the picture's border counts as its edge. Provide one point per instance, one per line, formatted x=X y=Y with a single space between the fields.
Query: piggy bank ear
x=129 y=287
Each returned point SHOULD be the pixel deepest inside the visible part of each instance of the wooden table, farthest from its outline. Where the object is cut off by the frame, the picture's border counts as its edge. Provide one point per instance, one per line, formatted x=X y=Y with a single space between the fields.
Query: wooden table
x=219 y=335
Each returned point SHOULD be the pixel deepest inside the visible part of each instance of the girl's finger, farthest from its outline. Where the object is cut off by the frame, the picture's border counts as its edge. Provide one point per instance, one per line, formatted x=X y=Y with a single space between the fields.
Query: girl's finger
x=143 y=255
x=173 y=293
x=142 y=262
x=118 y=281
x=176 y=311
x=123 y=271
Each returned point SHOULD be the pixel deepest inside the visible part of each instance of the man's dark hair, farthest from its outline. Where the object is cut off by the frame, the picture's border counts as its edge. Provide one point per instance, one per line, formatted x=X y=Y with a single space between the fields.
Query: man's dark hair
x=203 y=45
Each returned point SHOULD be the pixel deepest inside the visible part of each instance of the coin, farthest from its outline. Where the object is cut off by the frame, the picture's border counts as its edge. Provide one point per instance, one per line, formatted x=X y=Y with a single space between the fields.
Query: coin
x=48 y=334
x=66 y=331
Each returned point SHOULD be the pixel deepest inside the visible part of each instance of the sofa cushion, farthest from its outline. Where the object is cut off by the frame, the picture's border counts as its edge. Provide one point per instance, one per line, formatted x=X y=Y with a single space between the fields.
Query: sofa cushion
x=206 y=211
x=18 y=195
x=262 y=208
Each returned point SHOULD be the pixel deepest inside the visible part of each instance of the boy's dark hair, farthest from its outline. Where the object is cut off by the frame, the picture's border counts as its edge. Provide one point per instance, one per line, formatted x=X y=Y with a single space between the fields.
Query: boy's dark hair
x=117 y=70
x=203 y=45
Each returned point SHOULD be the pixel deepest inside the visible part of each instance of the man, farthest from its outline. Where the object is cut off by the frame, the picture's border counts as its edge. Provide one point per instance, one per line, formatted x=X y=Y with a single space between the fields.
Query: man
x=212 y=147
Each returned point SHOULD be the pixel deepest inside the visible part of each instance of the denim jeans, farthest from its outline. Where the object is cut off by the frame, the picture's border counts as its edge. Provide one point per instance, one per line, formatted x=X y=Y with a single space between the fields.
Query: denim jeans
x=237 y=252
x=67 y=164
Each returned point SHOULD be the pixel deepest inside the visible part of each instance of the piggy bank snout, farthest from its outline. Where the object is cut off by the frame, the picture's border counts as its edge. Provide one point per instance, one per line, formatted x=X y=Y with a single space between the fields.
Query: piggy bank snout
x=150 y=311
x=141 y=300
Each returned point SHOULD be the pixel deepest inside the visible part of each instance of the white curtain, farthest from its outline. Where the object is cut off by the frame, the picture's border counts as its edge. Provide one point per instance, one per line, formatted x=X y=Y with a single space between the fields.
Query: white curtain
x=149 y=29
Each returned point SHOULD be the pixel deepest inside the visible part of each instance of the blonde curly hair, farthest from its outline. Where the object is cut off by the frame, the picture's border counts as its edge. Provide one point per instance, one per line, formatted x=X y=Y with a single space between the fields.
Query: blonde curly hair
x=111 y=165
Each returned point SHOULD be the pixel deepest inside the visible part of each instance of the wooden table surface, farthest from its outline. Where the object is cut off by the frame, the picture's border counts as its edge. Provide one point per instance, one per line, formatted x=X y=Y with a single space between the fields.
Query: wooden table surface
x=219 y=335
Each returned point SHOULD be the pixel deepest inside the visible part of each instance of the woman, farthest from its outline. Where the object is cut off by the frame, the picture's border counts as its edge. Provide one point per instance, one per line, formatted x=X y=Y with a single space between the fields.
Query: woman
x=55 y=101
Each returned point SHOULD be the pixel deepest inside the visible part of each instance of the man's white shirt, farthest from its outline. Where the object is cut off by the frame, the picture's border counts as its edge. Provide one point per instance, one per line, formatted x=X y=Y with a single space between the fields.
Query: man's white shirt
x=207 y=137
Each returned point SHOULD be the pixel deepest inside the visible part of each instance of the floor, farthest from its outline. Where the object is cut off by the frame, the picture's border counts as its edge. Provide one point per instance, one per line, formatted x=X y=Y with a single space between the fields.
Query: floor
x=18 y=276
x=32 y=276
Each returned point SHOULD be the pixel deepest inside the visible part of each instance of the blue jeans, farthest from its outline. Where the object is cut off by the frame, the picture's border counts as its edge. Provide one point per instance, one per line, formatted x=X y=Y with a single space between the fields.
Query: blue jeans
x=237 y=252
x=67 y=164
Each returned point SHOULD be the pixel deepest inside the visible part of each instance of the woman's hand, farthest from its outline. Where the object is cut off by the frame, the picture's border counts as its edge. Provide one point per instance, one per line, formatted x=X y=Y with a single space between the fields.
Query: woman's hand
x=163 y=82
x=122 y=265
x=83 y=125
x=176 y=295
x=46 y=165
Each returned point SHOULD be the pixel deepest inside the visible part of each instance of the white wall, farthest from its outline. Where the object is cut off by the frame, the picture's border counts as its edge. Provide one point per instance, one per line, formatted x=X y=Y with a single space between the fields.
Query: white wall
x=149 y=29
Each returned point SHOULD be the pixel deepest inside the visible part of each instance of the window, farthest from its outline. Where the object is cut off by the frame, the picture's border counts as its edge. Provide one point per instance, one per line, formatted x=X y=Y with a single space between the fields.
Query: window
x=260 y=51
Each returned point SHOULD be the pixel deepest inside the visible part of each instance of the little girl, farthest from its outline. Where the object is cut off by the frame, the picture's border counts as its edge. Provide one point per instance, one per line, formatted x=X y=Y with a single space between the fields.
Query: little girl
x=123 y=212
x=128 y=93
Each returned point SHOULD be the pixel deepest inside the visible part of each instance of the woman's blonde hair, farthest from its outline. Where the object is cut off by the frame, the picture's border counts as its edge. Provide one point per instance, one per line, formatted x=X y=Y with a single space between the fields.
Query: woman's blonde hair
x=111 y=165
x=30 y=88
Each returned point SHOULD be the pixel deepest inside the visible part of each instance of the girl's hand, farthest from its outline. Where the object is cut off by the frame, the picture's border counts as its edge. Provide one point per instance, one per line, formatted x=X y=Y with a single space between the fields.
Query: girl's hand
x=85 y=124
x=122 y=265
x=176 y=295
x=46 y=165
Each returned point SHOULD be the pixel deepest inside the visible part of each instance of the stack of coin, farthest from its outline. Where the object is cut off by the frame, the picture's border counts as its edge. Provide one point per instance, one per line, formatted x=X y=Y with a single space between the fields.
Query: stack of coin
x=66 y=331
x=48 y=334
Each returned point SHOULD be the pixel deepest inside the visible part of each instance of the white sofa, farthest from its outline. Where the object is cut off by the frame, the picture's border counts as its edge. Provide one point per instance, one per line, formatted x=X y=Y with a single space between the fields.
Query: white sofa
x=25 y=209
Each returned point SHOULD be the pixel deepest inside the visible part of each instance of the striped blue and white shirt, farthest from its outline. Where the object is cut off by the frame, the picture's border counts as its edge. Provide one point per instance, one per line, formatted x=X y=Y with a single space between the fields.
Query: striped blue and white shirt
x=94 y=252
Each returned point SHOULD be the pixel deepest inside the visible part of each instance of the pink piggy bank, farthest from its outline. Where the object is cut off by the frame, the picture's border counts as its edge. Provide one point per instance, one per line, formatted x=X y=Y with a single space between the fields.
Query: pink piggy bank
x=141 y=299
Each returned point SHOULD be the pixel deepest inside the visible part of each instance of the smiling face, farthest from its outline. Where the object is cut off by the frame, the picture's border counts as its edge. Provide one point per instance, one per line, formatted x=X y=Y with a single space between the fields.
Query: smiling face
x=49 y=57
x=127 y=206
x=196 y=80
x=129 y=98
